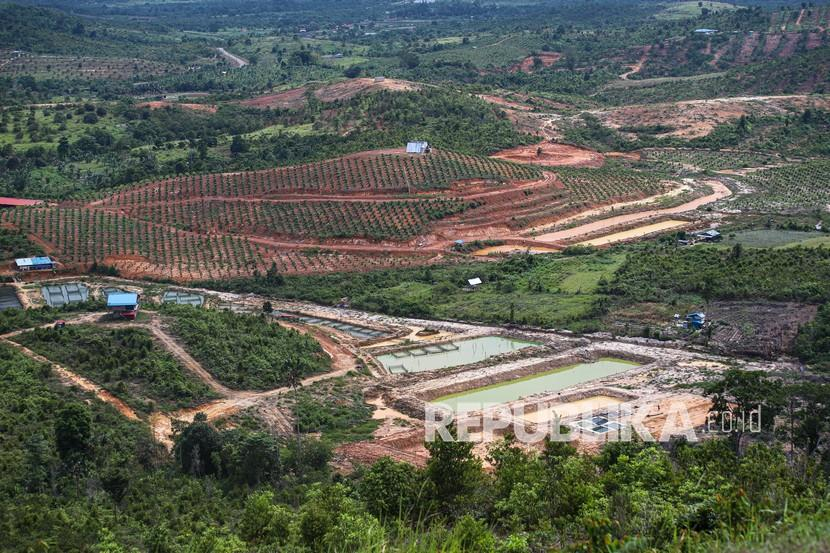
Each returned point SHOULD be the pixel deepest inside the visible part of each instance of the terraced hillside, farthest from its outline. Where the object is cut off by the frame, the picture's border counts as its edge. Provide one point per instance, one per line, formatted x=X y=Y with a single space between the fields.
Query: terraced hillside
x=384 y=172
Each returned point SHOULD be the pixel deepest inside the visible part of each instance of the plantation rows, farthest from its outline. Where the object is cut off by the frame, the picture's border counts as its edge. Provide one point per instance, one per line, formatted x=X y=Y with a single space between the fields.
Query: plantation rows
x=594 y=186
x=70 y=67
x=84 y=236
x=707 y=160
x=518 y=208
x=399 y=220
x=381 y=172
x=801 y=187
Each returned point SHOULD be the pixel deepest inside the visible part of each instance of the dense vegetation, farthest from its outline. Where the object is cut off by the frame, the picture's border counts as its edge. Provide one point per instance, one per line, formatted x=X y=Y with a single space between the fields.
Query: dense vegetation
x=244 y=351
x=242 y=491
x=126 y=361
x=664 y=274
x=15 y=244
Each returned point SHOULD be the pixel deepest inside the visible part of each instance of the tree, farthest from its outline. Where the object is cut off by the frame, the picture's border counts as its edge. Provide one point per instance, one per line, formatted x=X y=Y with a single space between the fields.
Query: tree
x=745 y=399
x=453 y=470
x=263 y=522
x=251 y=457
x=273 y=276
x=267 y=307
x=352 y=71
x=409 y=60
x=239 y=145
x=196 y=446
x=73 y=432
x=392 y=490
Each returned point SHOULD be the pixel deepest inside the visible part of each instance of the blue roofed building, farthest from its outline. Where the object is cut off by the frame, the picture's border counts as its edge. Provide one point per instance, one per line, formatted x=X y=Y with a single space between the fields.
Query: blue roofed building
x=124 y=304
x=34 y=264
x=696 y=320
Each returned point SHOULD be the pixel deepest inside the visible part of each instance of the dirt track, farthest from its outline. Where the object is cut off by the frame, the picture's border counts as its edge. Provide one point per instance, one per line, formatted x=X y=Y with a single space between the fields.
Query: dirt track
x=233 y=59
x=343 y=361
x=719 y=191
x=637 y=67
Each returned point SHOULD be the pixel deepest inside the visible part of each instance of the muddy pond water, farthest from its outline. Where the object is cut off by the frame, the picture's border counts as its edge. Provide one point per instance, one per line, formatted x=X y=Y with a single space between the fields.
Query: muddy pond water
x=451 y=354
x=550 y=381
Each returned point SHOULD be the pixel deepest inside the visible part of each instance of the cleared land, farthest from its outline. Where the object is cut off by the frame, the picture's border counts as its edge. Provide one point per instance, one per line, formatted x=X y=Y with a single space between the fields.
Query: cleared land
x=296 y=98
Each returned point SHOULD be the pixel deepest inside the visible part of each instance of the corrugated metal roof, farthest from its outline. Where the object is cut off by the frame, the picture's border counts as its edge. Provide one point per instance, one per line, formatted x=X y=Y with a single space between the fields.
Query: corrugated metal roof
x=122 y=300
x=418 y=147
x=31 y=261
x=13 y=202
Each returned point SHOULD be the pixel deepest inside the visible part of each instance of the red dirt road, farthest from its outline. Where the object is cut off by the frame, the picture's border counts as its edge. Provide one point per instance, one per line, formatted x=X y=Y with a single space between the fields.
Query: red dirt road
x=719 y=191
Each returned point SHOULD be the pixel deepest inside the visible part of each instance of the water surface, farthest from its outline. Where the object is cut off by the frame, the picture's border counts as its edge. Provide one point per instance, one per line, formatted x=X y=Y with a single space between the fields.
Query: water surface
x=551 y=381
x=453 y=354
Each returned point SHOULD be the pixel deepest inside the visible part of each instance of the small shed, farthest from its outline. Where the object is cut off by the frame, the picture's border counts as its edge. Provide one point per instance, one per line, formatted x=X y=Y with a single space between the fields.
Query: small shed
x=709 y=236
x=34 y=264
x=124 y=304
x=706 y=31
x=474 y=282
x=696 y=320
x=417 y=147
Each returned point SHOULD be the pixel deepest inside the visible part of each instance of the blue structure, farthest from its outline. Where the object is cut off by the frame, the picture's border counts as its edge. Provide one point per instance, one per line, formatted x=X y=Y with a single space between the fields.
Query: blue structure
x=696 y=320
x=124 y=304
x=34 y=264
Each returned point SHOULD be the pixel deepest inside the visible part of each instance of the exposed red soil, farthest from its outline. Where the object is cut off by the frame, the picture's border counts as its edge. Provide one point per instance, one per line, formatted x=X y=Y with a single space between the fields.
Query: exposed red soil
x=528 y=65
x=160 y=104
x=790 y=44
x=606 y=226
x=637 y=67
x=296 y=98
x=553 y=155
x=747 y=48
x=696 y=118
x=814 y=40
x=771 y=43
x=72 y=379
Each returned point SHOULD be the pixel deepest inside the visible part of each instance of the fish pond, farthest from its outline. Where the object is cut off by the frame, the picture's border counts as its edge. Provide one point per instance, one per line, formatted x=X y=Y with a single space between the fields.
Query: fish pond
x=449 y=354
x=549 y=381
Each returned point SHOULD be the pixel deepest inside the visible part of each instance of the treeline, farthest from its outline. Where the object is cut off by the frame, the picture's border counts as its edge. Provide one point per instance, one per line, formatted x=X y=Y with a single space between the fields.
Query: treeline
x=665 y=273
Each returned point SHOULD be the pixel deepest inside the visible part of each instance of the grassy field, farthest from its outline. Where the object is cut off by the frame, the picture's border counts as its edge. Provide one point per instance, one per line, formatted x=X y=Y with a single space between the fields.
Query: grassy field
x=689 y=10
x=775 y=238
x=491 y=50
